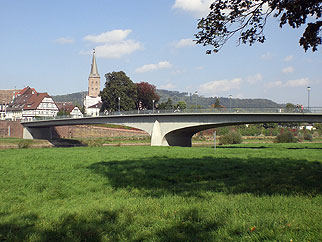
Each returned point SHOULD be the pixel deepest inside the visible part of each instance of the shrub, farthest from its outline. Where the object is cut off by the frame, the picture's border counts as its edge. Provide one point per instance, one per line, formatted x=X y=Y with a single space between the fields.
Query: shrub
x=286 y=137
x=308 y=136
x=24 y=144
x=232 y=137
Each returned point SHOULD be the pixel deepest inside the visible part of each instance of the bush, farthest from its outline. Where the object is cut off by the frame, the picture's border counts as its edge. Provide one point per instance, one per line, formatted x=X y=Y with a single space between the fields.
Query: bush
x=305 y=136
x=286 y=137
x=232 y=137
x=24 y=144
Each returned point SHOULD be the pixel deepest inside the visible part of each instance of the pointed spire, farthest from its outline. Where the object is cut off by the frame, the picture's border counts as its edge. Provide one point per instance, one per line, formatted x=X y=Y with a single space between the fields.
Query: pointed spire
x=94 y=71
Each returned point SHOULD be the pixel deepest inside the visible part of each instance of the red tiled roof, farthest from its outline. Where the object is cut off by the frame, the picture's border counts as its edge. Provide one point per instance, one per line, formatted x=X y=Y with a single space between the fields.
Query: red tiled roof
x=26 y=90
x=28 y=99
x=34 y=100
x=65 y=106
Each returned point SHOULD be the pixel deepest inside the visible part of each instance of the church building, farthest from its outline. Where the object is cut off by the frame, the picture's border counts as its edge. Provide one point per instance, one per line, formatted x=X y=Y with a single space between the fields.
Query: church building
x=94 y=84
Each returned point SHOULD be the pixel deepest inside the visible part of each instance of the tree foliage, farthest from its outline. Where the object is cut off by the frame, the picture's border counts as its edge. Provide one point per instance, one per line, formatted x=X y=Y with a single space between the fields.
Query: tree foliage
x=181 y=105
x=146 y=94
x=168 y=105
x=118 y=84
x=248 y=19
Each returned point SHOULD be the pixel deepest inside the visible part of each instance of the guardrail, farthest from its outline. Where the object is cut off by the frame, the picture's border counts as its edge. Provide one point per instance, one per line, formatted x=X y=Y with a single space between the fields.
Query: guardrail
x=313 y=110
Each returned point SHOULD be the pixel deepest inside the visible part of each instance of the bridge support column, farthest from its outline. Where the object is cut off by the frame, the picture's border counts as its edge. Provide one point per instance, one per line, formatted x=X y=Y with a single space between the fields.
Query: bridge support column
x=174 y=138
x=38 y=133
x=157 y=139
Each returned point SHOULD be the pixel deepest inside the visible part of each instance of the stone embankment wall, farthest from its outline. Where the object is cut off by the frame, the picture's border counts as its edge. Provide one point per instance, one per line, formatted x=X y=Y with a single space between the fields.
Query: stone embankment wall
x=10 y=129
x=89 y=131
x=15 y=129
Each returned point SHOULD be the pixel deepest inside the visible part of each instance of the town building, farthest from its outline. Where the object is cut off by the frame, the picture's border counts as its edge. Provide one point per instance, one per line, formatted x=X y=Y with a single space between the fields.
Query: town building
x=6 y=97
x=68 y=108
x=29 y=104
x=94 y=110
x=92 y=98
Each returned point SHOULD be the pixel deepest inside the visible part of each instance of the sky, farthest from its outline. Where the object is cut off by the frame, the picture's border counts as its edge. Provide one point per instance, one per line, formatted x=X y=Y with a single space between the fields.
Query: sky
x=48 y=45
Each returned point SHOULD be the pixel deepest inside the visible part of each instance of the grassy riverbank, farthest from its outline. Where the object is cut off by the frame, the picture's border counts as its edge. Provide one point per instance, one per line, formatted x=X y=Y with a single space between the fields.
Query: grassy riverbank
x=250 y=192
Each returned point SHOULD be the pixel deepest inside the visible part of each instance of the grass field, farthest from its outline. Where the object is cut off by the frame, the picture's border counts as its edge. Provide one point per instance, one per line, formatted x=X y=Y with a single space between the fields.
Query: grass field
x=249 y=192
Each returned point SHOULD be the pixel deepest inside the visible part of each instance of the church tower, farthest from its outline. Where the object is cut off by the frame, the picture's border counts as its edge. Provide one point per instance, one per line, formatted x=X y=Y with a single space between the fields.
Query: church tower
x=92 y=101
x=94 y=79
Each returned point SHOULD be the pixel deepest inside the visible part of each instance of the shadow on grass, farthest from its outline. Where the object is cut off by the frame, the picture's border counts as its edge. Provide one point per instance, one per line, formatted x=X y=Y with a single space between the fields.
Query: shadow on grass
x=119 y=225
x=191 y=177
x=69 y=228
x=66 y=143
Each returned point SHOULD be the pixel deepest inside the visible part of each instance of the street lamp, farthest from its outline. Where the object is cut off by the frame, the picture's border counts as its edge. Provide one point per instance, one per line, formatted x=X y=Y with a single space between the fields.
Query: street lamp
x=153 y=105
x=230 y=102
x=308 y=98
x=119 y=105
x=196 y=92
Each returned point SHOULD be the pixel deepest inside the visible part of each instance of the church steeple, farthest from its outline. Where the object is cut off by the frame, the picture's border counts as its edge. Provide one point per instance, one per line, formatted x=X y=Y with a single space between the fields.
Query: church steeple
x=94 y=71
x=94 y=79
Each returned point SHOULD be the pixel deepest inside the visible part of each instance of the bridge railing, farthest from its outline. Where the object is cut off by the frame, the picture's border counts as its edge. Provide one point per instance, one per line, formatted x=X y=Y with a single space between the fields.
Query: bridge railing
x=317 y=110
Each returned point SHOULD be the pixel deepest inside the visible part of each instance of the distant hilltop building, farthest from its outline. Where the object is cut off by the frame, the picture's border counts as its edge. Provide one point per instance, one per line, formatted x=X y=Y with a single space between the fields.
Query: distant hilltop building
x=92 y=100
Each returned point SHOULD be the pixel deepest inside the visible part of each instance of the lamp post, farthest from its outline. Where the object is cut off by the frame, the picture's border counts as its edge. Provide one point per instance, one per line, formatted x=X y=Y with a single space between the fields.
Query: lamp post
x=153 y=106
x=308 y=98
x=196 y=92
x=230 y=102
x=119 y=105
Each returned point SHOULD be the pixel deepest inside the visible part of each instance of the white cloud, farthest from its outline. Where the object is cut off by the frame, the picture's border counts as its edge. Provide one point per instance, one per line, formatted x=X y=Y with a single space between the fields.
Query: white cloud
x=113 y=36
x=114 y=44
x=184 y=43
x=288 y=58
x=287 y=70
x=196 y=7
x=167 y=86
x=274 y=84
x=213 y=87
x=291 y=83
x=117 y=50
x=255 y=78
x=200 y=68
x=297 y=83
x=266 y=56
x=152 y=67
x=64 y=40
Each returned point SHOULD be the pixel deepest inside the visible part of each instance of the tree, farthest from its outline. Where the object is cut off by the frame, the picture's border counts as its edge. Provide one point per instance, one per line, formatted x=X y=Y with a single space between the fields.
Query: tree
x=146 y=94
x=181 y=105
x=248 y=19
x=166 y=105
x=290 y=107
x=118 y=85
x=217 y=104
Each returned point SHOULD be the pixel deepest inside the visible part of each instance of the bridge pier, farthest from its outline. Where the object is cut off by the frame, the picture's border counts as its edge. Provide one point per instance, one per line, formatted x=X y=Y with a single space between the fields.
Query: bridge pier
x=174 y=138
x=38 y=133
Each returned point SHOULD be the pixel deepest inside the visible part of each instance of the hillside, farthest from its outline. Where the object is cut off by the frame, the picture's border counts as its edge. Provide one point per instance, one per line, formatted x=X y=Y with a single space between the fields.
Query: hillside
x=191 y=100
x=76 y=98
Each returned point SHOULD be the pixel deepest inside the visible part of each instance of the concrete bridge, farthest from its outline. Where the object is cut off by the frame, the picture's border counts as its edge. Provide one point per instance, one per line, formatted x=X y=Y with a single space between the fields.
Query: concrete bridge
x=170 y=129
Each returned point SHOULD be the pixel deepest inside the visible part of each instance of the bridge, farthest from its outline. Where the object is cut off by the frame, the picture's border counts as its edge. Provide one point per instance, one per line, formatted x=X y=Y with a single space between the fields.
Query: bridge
x=175 y=128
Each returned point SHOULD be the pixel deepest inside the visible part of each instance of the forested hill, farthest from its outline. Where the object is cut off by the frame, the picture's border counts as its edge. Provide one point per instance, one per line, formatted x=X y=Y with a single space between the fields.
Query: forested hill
x=190 y=99
x=205 y=102
x=76 y=98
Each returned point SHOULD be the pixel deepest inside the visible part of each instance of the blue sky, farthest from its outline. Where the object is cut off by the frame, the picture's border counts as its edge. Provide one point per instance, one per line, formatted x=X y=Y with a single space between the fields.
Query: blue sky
x=47 y=45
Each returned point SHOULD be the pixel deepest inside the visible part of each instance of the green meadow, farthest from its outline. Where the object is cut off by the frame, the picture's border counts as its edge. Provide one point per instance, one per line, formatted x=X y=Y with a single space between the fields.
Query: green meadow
x=249 y=192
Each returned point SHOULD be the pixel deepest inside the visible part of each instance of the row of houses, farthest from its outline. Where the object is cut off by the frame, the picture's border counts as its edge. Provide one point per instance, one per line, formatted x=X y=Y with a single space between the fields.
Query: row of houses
x=28 y=104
